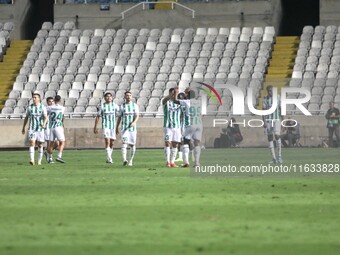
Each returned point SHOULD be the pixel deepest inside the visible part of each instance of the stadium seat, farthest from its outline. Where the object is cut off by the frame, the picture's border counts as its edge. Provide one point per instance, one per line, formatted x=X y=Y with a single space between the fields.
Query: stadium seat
x=142 y=60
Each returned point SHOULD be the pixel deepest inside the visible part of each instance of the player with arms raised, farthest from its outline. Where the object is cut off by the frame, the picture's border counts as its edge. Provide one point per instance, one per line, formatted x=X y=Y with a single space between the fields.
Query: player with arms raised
x=172 y=126
x=192 y=127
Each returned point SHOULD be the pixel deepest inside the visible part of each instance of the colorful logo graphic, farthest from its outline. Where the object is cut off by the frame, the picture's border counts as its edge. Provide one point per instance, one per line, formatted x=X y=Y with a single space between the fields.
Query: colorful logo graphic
x=210 y=92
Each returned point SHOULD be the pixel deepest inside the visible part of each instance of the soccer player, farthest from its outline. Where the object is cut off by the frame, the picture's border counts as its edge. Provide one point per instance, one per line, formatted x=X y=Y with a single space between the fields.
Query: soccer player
x=107 y=112
x=272 y=125
x=129 y=114
x=49 y=101
x=192 y=127
x=172 y=126
x=181 y=96
x=333 y=116
x=37 y=115
x=56 y=123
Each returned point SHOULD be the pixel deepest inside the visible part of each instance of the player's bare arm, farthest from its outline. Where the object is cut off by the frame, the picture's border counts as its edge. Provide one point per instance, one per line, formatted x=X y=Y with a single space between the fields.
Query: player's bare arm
x=166 y=99
x=133 y=123
x=117 y=125
x=23 y=127
x=45 y=121
x=95 y=129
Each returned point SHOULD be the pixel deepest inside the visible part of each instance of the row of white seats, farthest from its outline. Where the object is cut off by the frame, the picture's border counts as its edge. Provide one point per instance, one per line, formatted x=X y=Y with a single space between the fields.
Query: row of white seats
x=74 y=72
x=5 y=30
x=145 y=94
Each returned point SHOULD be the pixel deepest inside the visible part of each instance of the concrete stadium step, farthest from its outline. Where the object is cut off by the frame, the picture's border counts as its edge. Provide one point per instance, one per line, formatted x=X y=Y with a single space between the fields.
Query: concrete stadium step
x=279 y=75
x=12 y=58
x=283 y=57
x=163 y=6
x=286 y=61
x=5 y=79
x=281 y=64
x=9 y=66
x=287 y=39
x=5 y=72
x=15 y=55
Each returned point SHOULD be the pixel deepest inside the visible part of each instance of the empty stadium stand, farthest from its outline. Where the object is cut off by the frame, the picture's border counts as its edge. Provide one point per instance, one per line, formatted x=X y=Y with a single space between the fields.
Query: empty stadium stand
x=8 y=67
x=80 y=65
x=317 y=66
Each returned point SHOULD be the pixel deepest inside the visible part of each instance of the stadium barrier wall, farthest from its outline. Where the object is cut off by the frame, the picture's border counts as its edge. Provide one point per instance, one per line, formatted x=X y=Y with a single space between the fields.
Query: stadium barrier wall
x=228 y=14
x=329 y=12
x=16 y=13
x=79 y=132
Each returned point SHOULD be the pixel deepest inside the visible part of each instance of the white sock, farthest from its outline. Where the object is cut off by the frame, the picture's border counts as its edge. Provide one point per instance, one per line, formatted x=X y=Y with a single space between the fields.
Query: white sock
x=167 y=154
x=186 y=151
x=60 y=154
x=192 y=156
x=272 y=150
x=132 y=152
x=108 y=153
x=31 y=150
x=180 y=155
x=197 y=154
x=279 y=146
x=41 y=153
x=173 y=155
x=124 y=149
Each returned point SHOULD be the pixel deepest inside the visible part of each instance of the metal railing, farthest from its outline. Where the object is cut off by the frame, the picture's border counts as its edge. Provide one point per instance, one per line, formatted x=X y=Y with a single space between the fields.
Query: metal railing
x=143 y=4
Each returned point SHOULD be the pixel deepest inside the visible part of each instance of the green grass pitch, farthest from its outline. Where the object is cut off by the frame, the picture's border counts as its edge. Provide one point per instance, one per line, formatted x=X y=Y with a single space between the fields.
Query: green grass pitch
x=88 y=207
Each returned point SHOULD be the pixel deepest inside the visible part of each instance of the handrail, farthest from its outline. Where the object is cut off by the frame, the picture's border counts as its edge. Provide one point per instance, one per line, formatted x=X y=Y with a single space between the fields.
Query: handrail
x=153 y=2
x=131 y=8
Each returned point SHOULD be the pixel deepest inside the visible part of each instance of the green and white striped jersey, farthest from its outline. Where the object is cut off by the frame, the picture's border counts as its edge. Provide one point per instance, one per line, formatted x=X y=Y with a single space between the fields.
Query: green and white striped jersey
x=36 y=116
x=267 y=104
x=172 y=114
x=127 y=113
x=55 y=115
x=108 y=113
x=185 y=104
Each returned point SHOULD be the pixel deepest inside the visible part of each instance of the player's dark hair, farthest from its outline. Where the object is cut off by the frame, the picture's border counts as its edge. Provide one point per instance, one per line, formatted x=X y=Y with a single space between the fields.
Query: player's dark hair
x=127 y=92
x=57 y=98
x=191 y=94
x=107 y=93
x=269 y=87
x=181 y=95
x=49 y=98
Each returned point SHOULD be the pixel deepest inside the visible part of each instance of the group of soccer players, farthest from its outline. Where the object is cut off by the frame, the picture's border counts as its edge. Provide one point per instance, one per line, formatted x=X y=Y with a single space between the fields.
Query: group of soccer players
x=182 y=123
x=128 y=114
x=45 y=123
